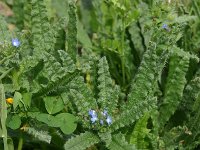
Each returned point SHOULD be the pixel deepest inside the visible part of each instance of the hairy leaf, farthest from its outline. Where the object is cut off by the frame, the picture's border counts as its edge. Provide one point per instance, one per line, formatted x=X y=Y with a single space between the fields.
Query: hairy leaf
x=118 y=142
x=108 y=92
x=174 y=88
x=82 y=141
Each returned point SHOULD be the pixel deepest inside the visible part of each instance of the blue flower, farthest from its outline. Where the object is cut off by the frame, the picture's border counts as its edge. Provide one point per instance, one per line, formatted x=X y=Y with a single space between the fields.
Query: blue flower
x=101 y=122
x=94 y=119
x=109 y=120
x=105 y=113
x=92 y=113
x=15 y=42
x=165 y=26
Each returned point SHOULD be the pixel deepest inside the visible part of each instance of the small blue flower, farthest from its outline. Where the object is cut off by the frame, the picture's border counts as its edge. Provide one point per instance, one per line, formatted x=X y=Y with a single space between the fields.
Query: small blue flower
x=94 y=119
x=101 y=122
x=165 y=26
x=105 y=113
x=109 y=120
x=92 y=113
x=15 y=42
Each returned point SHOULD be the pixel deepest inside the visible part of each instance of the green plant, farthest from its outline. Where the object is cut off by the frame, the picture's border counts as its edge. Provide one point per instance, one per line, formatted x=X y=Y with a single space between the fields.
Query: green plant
x=100 y=75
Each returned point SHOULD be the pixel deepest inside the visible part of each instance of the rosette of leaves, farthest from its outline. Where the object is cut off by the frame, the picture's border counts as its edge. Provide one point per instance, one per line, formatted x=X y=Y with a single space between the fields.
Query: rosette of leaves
x=98 y=114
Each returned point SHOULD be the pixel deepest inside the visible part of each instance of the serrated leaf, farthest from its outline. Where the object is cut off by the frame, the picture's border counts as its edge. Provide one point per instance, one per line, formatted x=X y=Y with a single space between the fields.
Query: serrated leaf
x=119 y=143
x=140 y=132
x=67 y=62
x=39 y=134
x=82 y=141
x=106 y=137
x=108 y=94
x=53 y=104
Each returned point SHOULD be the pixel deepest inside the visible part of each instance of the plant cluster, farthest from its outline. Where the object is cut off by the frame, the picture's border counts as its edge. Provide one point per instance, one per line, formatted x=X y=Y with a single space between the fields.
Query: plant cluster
x=100 y=74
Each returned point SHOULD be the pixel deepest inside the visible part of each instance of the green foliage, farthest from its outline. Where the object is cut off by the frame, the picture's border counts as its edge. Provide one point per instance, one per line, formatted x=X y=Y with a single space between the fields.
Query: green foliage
x=81 y=142
x=13 y=122
x=27 y=13
x=174 y=87
x=5 y=35
x=108 y=92
x=53 y=104
x=140 y=132
x=54 y=73
x=106 y=137
x=38 y=134
x=119 y=142
x=141 y=99
x=65 y=121
x=52 y=121
x=192 y=131
x=43 y=35
x=100 y=75
x=68 y=122
x=18 y=11
x=72 y=31
x=82 y=96
x=17 y=98
x=67 y=62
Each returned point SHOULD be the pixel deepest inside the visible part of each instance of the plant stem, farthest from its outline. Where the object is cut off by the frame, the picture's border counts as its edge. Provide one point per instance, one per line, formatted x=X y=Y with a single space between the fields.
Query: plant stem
x=20 y=144
x=122 y=47
x=122 y=56
x=3 y=116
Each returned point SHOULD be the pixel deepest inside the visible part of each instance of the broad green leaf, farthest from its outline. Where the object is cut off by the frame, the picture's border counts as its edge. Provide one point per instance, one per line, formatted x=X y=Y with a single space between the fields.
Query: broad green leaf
x=27 y=99
x=49 y=120
x=16 y=99
x=33 y=114
x=53 y=104
x=45 y=118
x=83 y=37
x=68 y=122
x=14 y=122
